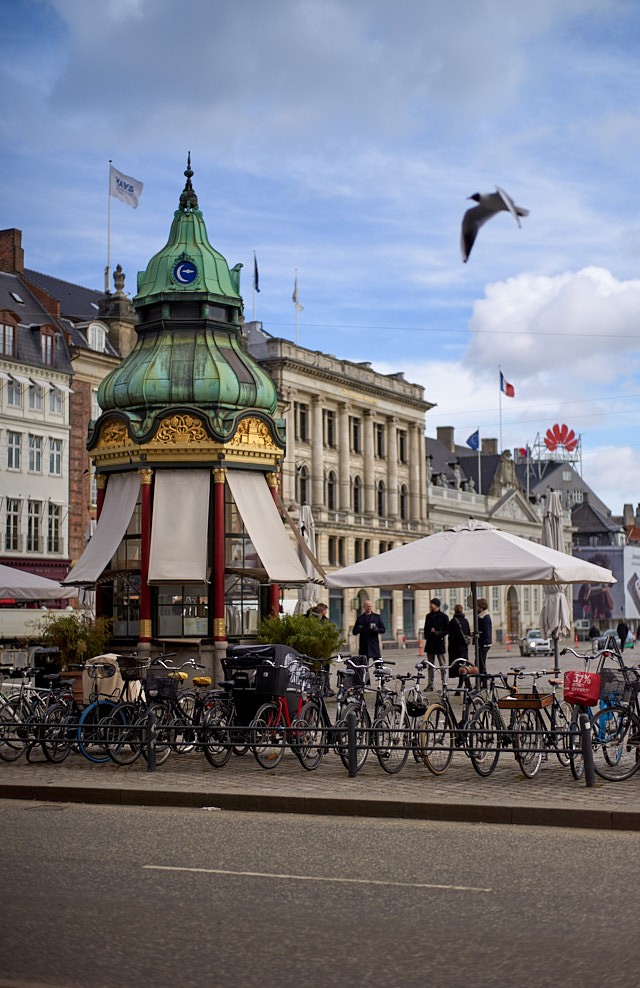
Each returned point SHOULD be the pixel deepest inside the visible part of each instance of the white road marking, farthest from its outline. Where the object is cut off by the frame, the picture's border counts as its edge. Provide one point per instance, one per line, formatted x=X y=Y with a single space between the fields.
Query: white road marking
x=316 y=878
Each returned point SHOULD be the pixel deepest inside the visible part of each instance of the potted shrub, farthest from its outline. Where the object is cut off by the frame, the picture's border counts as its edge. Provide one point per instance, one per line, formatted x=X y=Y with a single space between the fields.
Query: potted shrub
x=77 y=638
x=317 y=639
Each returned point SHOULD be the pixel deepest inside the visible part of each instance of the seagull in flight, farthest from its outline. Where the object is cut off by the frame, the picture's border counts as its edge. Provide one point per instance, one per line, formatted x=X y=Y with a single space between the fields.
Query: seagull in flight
x=488 y=205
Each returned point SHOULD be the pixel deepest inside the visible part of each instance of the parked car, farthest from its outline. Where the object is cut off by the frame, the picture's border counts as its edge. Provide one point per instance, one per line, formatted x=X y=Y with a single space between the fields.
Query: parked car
x=630 y=639
x=534 y=644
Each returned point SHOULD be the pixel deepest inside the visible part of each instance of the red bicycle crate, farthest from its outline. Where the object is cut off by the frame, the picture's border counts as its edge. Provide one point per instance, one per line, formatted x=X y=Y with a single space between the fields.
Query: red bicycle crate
x=582 y=688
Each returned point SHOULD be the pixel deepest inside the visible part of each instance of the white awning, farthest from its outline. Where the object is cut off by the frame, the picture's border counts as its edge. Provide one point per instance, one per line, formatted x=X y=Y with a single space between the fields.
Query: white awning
x=180 y=526
x=45 y=385
x=5 y=377
x=265 y=527
x=21 y=379
x=64 y=387
x=119 y=501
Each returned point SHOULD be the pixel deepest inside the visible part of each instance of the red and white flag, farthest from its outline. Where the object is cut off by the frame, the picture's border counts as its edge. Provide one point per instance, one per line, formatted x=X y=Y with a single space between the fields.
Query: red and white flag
x=508 y=389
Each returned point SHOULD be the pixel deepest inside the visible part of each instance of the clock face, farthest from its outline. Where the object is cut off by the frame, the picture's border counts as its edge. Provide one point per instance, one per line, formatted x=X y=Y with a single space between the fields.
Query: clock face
x=185 y=272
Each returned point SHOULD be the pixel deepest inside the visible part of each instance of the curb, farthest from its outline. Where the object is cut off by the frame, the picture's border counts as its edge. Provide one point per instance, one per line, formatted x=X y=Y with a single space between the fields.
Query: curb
x=517 y=815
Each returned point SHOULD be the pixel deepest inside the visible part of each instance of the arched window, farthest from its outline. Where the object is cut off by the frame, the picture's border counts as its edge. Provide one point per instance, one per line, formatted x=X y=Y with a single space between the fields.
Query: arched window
x=332 y=488
x=302 y=484
x=404 y=502
x=97 y=337
x=381 y=492
x=357 y=495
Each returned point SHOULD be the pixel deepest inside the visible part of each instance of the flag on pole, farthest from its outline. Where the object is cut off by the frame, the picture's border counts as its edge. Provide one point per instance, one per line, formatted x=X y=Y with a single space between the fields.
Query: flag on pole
x=508 y=389
x=256 y=280
x=474 y=440
x=124 y=187
x=299 y=308
x=524 y=452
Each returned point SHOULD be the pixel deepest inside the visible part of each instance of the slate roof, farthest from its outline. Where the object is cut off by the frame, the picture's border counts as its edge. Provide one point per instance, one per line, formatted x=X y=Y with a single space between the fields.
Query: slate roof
x=76 y=303
x=32 y=315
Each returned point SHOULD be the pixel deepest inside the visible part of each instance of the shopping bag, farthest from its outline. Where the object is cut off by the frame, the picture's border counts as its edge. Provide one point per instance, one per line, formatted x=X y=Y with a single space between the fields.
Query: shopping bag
x=582 y=688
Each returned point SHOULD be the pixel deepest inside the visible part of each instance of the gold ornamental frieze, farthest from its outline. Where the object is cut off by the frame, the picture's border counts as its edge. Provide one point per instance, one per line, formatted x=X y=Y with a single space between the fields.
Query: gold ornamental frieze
x=252 y=433
x=114 y=434
x=180 y=429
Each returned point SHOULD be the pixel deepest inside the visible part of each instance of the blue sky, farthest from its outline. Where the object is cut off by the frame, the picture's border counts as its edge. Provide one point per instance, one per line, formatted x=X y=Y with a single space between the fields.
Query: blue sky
x=342 y=138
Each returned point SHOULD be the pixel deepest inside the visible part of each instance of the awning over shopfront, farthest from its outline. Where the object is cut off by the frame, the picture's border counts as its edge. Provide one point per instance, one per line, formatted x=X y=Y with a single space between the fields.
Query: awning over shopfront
x=179 y=529
x=119 y=501
x=265 y=527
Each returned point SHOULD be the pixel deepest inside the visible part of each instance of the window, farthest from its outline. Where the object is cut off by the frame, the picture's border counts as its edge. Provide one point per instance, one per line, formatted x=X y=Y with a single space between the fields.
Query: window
x=96 y=411
x=301 y=414
x=367 y=548
x=356 y=434
x=55 y=456
x=404 y=502
x=332 y=542
x=566 y=476
x=47 y=346
x=453 y=599
x=536 y=599
x=381 y=492
x=358 y=550
x=14 y=393
x=578 y=496
x=302 y=483
x=329 y=423
x=35 y=454
x=97 y=337
x=53 y=536
x=14 y=446
x=378 y=434
x=34 y=515
x=12 y=525
x=526 y=600
x=332 y=488
x=495 y=599
x=341 y=552
x=183 y=611
x=7 y=340
x=383 y=547
x=402 y=445
x=357 y=495
x=55 y=401
x=35 y=397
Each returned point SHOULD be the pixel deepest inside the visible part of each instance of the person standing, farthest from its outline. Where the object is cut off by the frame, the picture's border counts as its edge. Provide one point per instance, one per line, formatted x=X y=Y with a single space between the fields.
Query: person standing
x=622 y=632
x=485 y=638
x=436 y=626
x=458 y=641
x=369 y=626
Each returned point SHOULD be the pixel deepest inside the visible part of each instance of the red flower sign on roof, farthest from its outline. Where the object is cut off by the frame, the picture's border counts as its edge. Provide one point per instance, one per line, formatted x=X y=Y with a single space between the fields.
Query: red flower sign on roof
x=560 y=436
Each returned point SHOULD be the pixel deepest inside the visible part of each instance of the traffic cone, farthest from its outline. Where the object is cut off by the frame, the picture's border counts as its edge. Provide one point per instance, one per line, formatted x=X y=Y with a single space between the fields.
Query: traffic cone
x=420 y=646
x=576 y=638
x=508 y=644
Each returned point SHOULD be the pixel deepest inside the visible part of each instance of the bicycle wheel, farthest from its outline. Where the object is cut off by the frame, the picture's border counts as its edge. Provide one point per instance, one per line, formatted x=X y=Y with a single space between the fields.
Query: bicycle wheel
x=122 y=737
x=216 y=738
x=14 y=735
x=436 y=739
x=90 y=735
x=564 y=713
x=528 y=742
x=483 y=741
x=58 y=733
x=576 y=762
x=163 y=731
x=389 y=740
x=363 y=725
x=310 y=746
x=615 y=733
x=267 y=735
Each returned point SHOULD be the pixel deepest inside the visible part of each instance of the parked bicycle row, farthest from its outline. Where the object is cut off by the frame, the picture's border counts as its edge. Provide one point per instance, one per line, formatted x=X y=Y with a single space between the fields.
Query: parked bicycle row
x=392 y=718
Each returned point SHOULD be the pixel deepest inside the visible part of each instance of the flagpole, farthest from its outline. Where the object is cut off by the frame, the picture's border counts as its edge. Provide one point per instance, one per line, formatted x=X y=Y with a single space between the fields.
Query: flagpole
x=107 y=270
x=296 y=284
x=479 y=465
x=500 y=402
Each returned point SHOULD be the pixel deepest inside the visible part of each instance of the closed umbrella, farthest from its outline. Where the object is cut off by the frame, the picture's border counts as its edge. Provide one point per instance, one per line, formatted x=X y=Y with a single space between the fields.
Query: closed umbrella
x=555 y=619
x=308 y=593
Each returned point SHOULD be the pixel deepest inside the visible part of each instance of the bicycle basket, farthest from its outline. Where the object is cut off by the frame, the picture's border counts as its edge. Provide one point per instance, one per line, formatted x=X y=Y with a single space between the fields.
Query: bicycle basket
x=618 y=685
x=272 y=679
x=160 y=686
x=582 y=688
x=133 y=667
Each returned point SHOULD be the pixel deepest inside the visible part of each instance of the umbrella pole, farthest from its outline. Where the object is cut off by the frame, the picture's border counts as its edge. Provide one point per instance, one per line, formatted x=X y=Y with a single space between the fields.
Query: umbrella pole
x=474 y=606
x=556 y=670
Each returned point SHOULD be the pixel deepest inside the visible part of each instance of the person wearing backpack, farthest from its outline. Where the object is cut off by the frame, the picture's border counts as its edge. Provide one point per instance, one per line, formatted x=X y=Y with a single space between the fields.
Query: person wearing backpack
x=459 y=640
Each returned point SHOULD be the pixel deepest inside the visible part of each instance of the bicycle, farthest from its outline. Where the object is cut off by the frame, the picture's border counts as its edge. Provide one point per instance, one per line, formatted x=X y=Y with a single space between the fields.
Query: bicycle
x=315 y=731
x=441 y=731
x=394 y=731
x=356 y=702
x=273 y=727
x=487 y=732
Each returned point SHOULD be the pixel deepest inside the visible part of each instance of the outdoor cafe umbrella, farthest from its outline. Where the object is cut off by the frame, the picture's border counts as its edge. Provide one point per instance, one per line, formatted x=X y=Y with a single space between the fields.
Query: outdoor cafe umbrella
x=18 y=584
x=470 y=554
x=308 y=593
x=555 y=619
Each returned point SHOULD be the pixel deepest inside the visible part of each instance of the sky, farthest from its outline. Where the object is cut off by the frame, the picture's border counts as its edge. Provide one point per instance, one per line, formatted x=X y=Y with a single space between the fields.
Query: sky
x=341 y=139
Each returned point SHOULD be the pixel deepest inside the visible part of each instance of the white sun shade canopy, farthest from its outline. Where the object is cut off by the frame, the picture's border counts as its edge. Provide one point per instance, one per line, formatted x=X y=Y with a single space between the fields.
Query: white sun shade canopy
x=18 y=584
x=119 y=502
x=474 y=552
x=265 y=527
x=179 y=531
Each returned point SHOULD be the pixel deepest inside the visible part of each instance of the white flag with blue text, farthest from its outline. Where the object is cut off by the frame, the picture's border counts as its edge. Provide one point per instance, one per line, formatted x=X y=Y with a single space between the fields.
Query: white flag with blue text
x=125 y=188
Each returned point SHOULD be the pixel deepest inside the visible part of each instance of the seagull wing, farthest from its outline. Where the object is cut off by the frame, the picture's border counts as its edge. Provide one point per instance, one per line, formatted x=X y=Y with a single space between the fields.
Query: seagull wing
x=508 y=204
x=472 y=220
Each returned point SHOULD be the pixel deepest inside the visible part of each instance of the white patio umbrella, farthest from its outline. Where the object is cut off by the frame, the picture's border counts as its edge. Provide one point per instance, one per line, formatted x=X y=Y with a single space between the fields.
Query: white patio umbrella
x=472 y=553
x=555 y=619
x=18 y=584
x=308 y=593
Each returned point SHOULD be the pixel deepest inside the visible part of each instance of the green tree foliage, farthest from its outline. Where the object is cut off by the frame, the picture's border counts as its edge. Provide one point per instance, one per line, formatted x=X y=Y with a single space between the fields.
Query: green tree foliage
x=78 y=637
x=318 y=639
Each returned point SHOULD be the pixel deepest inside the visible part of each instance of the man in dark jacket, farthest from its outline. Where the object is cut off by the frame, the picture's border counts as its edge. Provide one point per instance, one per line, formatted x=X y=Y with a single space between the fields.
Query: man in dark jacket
x=436 y=626
x=623 y=631
x=369 y=626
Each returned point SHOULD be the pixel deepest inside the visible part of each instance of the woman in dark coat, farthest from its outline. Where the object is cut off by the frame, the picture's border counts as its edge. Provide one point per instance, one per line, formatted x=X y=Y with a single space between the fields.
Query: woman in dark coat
x=459 y=638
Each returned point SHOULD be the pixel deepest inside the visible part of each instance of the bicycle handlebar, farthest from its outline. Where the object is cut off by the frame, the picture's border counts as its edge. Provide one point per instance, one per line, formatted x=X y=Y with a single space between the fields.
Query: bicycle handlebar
x=189 y=662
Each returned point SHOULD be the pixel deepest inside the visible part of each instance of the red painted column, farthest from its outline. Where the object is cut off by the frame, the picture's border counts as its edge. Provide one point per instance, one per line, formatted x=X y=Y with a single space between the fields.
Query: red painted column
x=274 y=589
x=101 y=483
x=146 y=479
x=219 y=623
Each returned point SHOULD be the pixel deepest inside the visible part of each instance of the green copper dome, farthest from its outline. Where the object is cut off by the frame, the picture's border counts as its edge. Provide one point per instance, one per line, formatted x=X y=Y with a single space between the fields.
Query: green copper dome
x=189 y=353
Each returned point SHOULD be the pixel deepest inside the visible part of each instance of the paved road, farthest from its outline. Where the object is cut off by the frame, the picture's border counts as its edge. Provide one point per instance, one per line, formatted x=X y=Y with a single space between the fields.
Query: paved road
x=115 y=896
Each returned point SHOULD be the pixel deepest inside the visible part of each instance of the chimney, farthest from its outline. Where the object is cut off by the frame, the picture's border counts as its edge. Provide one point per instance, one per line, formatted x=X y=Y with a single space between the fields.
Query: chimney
x=445 y=436
x=490 y=446
x=11 y=252
x=628 y=518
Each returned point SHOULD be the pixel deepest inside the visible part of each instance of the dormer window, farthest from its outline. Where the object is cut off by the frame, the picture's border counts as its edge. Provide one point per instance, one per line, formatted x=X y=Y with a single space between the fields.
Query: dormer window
x=8 y=334
x=47 y=345
x=97 y=337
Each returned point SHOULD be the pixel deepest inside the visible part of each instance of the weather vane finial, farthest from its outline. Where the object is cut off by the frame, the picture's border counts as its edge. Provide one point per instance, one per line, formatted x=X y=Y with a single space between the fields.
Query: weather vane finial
x=188 y=198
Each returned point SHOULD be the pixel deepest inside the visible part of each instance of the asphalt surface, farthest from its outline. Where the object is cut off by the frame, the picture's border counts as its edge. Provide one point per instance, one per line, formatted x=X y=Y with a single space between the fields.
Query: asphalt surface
x=552 y=798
